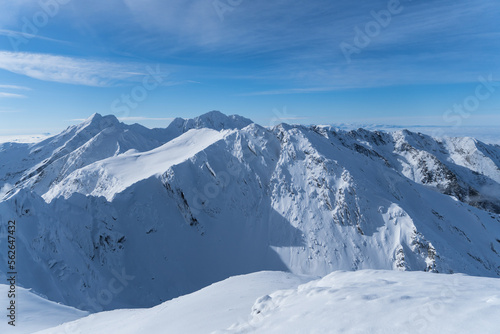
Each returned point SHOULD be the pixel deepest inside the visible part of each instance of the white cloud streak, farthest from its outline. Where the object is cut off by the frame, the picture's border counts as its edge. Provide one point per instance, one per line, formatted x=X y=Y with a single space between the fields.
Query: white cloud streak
x=429 y=42
x=15 y=87
x=295 y=42
x=11 y=95
x=68 y=70
x=24 y=35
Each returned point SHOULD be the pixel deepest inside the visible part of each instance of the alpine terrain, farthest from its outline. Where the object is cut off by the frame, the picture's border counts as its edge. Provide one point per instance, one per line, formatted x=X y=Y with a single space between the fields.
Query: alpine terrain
x=113 y=216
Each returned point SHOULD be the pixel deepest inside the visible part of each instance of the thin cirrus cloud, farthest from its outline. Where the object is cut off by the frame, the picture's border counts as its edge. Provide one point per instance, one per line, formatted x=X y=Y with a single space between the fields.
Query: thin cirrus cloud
x=263 y=26
x=259 y=26
x=282 y=37
x=298 y=43
x=15 y=87
x=68 y=70
x=11 y=95
x=24 y=35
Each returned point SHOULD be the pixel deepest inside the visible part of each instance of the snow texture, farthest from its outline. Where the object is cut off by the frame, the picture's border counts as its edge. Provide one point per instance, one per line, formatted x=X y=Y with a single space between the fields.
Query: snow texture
x=35 y=313
x=365 y=301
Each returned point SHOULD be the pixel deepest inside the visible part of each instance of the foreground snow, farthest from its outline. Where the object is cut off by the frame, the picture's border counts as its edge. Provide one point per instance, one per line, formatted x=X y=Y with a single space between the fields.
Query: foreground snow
x=366 y=301
x=209 y=309
x=35 y=313
x=371 y=301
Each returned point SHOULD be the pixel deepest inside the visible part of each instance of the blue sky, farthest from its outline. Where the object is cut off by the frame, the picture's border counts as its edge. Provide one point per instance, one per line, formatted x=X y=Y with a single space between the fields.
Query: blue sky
x=389 y=62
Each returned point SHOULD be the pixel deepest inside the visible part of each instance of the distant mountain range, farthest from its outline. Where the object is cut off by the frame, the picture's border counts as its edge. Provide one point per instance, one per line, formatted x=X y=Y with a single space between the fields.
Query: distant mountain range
x=112 y=215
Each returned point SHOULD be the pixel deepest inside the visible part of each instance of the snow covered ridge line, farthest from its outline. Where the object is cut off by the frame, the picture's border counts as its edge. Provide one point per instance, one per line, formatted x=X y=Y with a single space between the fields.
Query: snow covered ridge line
x=365 y=301
x=110 y=176
x=379 y=302
x=222 y=177
x=216 y=196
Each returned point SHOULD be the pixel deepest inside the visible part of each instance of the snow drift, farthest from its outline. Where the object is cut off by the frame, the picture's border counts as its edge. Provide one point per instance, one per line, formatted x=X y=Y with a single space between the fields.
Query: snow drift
x=365 y=301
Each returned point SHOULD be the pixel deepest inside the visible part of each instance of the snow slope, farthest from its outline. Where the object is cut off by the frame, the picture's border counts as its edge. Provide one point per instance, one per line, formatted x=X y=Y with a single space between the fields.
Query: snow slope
x=379 y=302
x=115 y=174
x=365 y=301
x=214 y=307
x=35 y=313
x=113 y=216
x=42 y=165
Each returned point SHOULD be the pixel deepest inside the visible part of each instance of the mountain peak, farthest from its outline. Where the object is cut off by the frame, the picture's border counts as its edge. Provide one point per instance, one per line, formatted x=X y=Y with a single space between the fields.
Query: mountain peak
x=213 y=114
x=100 y=122
x=94 y=116
x=213 y=120
x=218 y=121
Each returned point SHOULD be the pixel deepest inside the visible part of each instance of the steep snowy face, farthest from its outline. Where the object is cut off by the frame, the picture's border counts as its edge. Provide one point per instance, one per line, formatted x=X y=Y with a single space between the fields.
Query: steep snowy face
x=461 y=167
x=222 y=200
x=43 y=166
x=357 y=210
x=464 y=168
x=110 y=176
x=38 y=167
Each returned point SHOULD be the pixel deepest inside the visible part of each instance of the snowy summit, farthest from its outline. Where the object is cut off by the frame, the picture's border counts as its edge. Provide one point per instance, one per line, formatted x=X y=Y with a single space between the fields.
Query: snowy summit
x=113 y=216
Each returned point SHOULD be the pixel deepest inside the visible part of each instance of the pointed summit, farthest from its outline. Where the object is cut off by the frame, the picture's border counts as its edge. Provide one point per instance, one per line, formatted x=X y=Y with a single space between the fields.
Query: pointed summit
x=213 y=120
x=219 y=121
x=99 y=122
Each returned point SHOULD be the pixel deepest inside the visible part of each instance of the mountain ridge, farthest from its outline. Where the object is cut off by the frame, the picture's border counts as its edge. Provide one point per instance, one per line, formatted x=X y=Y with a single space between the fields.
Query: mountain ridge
x=106 y=198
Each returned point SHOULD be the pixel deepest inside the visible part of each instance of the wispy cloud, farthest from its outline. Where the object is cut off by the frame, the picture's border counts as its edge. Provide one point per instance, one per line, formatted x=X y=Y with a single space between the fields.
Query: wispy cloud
x=292 y=42
x=11 y=95
x=25 y=35
x=262 y=26
x=14 y=87
x=68 y=70
x=298 y=42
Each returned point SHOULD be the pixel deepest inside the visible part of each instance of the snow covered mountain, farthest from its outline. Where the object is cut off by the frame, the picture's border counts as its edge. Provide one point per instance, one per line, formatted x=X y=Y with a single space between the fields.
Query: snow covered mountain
x=38 y=167
x=111 y=215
